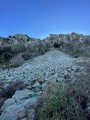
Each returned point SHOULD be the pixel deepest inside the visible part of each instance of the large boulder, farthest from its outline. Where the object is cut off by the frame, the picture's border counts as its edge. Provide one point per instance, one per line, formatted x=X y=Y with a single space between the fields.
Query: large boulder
x=13 y=112
x=8 y=103
x=32 y=103
x=21 y=95
x=17 y=98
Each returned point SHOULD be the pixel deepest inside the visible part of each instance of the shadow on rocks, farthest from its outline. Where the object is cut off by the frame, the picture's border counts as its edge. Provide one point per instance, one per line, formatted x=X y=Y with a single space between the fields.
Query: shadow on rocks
x=8 y=90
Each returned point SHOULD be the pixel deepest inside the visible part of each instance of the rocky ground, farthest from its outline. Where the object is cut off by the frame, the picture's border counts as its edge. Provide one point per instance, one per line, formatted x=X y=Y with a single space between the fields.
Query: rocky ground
x=33 y=74
x=40 y=67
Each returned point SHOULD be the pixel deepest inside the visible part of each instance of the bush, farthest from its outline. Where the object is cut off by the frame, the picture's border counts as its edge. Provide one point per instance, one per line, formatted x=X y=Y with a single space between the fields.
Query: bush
x=26 y=55
x=1 y=50
x=5 y=49
x=16 y=61
x=78 y=53
x=6 y=53
x=56 y=45
x=7 y=56
x=63 y=102
x=9 y=36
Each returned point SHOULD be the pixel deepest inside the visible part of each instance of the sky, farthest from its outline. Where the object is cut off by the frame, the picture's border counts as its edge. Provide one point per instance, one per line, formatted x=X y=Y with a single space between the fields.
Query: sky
x=39 y=18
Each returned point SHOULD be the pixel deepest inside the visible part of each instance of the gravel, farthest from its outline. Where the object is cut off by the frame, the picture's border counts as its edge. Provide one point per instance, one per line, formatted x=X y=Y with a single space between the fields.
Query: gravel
x=45 y=67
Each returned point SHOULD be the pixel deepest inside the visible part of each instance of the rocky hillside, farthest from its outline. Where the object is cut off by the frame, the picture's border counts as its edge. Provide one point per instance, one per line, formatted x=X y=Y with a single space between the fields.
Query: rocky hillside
x=45 y=79
x=74 y=44
x=34 y=76
x=22 y=47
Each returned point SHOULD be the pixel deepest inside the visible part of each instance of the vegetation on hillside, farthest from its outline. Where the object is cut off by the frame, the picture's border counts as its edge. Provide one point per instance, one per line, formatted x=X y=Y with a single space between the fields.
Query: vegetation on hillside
x=65 y=101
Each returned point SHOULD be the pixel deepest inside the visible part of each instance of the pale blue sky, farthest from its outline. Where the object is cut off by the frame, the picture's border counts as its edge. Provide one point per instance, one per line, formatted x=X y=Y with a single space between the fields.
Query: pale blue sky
x=39 y=18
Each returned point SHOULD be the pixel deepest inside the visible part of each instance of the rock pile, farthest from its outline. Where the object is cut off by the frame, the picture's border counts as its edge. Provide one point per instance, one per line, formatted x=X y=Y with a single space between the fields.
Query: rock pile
x=34 y=75
x=22 y=85
x=28 y=47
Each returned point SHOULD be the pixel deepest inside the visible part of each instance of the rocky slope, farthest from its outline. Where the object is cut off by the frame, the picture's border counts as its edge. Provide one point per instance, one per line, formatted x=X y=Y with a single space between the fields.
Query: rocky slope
x=44 y=67
x=22 y=87
x=34 y=74
x=74 y=44
x=22 y=46
x=26 y=47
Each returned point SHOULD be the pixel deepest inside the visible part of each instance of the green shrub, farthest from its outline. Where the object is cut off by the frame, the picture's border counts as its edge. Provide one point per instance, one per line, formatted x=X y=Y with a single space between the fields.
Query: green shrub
x=7 y=55
x=62 y=102
x=26 y=56
x=9 y=36
x=78 y=53
x=81 y=53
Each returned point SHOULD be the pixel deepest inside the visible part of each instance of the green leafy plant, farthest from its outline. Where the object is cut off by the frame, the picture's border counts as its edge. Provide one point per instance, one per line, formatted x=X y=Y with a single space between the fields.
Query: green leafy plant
x=62 y=102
